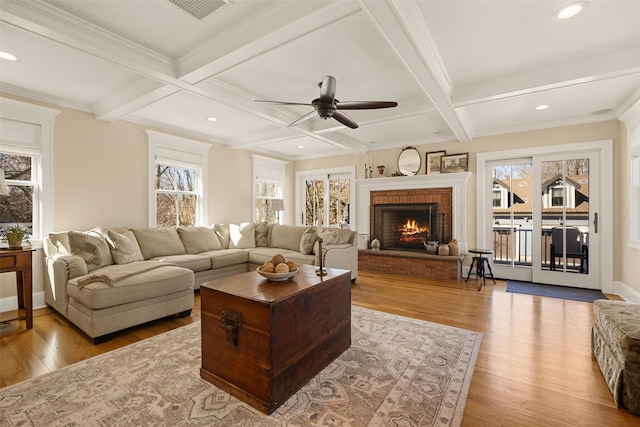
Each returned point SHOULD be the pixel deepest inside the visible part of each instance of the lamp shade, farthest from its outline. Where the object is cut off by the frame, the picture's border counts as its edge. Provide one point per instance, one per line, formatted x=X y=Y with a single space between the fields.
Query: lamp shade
x=4 y=189
x=277 y=204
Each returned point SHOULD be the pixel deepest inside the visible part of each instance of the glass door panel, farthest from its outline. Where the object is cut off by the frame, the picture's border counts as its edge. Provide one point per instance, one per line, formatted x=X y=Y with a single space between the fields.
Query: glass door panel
x=566 y=245
x=511 y=219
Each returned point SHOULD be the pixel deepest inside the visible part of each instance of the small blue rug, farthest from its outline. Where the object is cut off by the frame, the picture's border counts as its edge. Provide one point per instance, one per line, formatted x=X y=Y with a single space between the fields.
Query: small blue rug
x=553 y=291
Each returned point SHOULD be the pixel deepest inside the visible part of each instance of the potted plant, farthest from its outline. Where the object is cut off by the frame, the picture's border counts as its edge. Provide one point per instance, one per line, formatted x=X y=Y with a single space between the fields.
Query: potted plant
x=14 y=235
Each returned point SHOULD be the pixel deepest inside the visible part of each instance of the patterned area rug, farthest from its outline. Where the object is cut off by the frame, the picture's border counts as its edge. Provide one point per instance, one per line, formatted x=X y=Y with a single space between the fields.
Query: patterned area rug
x=398 y=372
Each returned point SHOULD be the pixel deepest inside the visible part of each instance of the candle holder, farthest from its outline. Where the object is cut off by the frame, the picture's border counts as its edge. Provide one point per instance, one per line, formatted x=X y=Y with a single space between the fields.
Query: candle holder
x=321 y=271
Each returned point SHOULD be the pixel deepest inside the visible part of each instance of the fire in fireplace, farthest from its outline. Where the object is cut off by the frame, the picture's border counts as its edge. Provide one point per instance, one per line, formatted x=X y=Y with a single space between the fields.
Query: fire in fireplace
x=405 y=226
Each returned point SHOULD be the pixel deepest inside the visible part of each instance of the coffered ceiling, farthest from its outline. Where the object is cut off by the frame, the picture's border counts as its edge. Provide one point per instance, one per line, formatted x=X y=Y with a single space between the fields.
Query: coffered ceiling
x=458 y=69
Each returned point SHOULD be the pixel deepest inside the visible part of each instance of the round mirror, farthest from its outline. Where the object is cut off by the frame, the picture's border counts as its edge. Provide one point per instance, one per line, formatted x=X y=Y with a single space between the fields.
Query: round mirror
x=409 y=161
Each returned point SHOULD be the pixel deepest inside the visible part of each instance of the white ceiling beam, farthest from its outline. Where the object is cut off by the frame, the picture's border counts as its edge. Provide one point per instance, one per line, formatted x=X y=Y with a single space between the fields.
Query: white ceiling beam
x=280 y=24
x=131 y=98
x=404 y=28
x=548 y=77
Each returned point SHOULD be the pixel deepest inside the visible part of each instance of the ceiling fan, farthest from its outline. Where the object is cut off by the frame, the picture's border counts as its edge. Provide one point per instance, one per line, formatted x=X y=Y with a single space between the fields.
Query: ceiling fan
x=328 y=106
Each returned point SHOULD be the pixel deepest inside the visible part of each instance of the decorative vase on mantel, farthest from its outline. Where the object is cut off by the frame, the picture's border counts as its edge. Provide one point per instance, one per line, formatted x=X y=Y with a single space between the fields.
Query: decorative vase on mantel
x=431 y=247
x=454 y=249
x=381 y=170
x=443 y=250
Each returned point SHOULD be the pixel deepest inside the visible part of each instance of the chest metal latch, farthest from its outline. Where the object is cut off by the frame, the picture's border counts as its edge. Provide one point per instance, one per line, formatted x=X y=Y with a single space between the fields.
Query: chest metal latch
x=231 y=321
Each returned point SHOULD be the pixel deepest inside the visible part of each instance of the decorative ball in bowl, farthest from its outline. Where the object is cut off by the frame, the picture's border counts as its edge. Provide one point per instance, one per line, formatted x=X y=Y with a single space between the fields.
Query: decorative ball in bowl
x=278 y=269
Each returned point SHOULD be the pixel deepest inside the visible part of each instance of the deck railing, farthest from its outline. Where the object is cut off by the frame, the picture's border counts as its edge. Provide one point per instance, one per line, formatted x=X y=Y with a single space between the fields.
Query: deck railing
x=515 y=245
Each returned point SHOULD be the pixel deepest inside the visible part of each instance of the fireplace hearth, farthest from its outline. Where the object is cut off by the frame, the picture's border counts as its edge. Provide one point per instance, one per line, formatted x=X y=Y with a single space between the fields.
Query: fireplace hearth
x=406 y=227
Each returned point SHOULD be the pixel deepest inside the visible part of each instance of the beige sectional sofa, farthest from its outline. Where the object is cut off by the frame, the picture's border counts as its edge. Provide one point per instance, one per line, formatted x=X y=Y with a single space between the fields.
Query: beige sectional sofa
x=106 y=280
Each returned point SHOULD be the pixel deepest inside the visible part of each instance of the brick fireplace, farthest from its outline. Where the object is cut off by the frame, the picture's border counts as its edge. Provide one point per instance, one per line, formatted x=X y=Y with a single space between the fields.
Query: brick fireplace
x=432 y=207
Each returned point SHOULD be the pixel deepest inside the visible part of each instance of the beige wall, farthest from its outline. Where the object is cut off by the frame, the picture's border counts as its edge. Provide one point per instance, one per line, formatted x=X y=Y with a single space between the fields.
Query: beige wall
x=624 y=257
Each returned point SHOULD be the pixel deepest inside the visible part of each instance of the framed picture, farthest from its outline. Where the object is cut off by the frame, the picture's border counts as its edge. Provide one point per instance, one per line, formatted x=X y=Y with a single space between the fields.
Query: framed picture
x=433 y=161
x=454 y=163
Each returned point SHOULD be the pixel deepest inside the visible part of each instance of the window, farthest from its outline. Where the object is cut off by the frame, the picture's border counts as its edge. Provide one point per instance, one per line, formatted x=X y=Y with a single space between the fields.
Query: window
x=176 y=196
x=268 y=189
x=26 y=141
x=557 y=196
x=497 y=198
x=178 y=181
x=328 y=194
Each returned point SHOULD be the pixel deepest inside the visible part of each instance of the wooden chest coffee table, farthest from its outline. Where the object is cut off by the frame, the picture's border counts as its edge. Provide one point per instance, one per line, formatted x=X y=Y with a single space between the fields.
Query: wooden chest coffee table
x=262 y=341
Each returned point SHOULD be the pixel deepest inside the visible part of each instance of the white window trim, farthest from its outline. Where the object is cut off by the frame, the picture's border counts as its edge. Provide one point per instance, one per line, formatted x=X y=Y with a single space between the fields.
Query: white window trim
x=631 y=118
x=261 y=162
x=44 y=117
x=302 y=176
x=177 y=148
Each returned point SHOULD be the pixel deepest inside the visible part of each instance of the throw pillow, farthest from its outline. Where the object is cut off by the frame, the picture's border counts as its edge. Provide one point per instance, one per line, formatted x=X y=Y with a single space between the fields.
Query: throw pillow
x=286 y=237
x=329 y=237
x=242 y=236
x=155 y=242
x=124 y=247
x=261 y=234
x=344 y=235
x=222 y=231
x=199 y=239
x=92 y=247
x=307 y=240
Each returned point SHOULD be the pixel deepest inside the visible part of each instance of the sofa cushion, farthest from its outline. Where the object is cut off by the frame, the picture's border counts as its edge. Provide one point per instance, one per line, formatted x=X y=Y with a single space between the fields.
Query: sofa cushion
x=307 y=240
x=262 y=255
x=227 y=257
x=286 y=237
x=92 y=247
x=261 y=234
x=344 y=235
x=194 y=262
x=124 y=247
x=242 y=236
x=149 y=284
x=155 y=242
x=199 y=239
x=223 y=233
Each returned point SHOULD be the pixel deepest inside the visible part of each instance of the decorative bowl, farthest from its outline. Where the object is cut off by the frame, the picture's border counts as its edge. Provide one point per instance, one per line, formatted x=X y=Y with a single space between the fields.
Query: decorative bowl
x=278 y=277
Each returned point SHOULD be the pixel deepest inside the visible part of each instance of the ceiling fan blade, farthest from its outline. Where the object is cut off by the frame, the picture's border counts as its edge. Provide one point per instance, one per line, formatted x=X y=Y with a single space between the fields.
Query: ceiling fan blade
x=304 y=118
x=344 y=119
x=365 y=105
x=328 y=90
x=284 y=103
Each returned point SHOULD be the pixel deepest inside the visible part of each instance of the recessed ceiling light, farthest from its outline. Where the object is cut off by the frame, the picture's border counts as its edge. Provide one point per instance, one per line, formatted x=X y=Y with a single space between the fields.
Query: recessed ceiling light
x=8 y=56
x=542 y=107
x=300 y=146
x=212 y=119
x=569 y=11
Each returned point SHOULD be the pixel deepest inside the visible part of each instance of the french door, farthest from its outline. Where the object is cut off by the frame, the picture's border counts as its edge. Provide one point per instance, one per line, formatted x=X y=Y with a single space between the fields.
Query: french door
x=543 y=214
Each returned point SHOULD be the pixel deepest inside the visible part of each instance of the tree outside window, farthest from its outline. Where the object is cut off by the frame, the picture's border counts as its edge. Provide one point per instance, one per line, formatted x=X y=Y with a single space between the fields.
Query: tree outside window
x=176 y=196
x=17 y=208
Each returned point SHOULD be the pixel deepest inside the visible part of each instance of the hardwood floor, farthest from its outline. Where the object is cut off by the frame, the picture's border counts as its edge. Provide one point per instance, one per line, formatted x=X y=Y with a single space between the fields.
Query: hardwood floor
x=535 y=366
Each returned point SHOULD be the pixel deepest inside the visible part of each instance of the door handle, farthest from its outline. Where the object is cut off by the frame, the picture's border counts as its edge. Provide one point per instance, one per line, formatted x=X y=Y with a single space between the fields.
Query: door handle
x=595 y=223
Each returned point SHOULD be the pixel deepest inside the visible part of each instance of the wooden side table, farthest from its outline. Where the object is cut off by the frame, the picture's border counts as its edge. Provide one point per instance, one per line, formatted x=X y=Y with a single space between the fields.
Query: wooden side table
x=19 y=260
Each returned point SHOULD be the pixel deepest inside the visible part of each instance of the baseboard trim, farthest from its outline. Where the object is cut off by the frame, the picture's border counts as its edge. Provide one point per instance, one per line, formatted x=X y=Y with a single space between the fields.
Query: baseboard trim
x=626 y=292
x=11 y=303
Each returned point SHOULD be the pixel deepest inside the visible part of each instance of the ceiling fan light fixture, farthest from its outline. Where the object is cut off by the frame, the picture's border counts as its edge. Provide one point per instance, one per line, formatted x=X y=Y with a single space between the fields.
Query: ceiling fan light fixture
x=569 y=11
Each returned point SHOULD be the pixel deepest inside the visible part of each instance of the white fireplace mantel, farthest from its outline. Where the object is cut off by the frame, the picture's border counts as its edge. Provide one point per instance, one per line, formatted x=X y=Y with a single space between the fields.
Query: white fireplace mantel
x=456 y=181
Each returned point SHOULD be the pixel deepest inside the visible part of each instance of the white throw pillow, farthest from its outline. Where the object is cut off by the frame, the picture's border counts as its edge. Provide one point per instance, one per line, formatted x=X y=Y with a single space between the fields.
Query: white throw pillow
x=242 y=236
